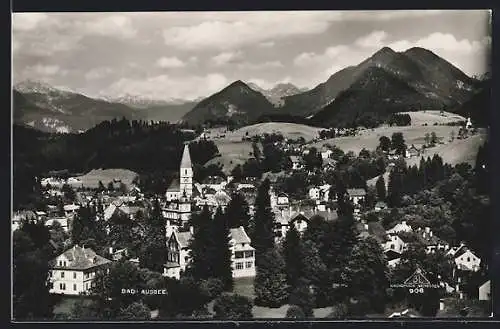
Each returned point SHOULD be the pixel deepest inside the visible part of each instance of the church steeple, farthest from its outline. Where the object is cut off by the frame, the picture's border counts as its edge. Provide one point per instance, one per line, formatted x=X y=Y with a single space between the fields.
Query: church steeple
x=186 y=174
x=186 y=158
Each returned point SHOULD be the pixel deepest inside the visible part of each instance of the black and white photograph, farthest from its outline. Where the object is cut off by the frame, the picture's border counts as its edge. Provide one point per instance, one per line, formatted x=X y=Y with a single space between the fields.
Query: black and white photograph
x=251 y=165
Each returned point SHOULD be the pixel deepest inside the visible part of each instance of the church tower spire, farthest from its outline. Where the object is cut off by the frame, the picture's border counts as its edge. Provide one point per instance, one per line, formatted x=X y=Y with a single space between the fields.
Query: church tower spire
x=186 y=174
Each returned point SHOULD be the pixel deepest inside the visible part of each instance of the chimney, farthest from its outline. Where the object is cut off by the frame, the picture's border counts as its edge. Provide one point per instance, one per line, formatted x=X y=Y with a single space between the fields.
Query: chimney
x=110 y=250
x=427 y=229
x=430 y=233
x=191 y=229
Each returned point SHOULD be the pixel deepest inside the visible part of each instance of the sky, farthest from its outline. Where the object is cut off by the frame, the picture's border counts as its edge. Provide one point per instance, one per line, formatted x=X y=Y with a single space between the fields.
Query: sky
x=187 y=55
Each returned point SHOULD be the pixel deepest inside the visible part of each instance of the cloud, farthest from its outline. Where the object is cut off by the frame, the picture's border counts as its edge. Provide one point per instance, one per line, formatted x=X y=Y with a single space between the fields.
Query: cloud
x=98 y=73
x=27 y=21
x=43 y=72
x=165 y=86
x=260 y=66
x=114 y=26
x=170 y=62
x=267 y=44
x=373 y=40
x=226 y=58
x=311 y=58
x=444 y=41
x=267 y=84
x=241 y=30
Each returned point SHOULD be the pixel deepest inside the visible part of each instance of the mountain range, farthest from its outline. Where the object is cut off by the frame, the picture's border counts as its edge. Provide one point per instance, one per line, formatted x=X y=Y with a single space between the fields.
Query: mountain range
x=386 y=82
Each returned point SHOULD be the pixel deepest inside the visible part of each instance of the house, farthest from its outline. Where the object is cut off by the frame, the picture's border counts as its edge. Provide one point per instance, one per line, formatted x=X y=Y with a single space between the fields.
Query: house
x=177 y=210
x=297 y=162
x=394 y=262
x=63 y=221
x=177 y=253
x=380 y=205
x=412 y=151
x=326 y=154
x=217 y=183
x=71 y=209
x=432 y=243
x=282 y=200
x=467 y=261
x=118 y=207
x=242 y=253
x=356 y=195
x=73 y=271
x=485 y=291
x=395 y=244
x=21 y=216
x=74 y=182
x=401 y=227
x=118 y=254
x=320 y=192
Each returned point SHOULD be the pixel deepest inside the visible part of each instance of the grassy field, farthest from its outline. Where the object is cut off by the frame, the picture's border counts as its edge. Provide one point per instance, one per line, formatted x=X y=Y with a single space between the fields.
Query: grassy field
x=431 y=117
x=92 y=178
x=369 y=138
x=64 y=306
x=288 y=130
x=232 y=153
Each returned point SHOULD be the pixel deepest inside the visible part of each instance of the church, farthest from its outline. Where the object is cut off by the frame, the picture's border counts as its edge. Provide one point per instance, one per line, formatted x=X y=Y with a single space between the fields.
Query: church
x=179 y=194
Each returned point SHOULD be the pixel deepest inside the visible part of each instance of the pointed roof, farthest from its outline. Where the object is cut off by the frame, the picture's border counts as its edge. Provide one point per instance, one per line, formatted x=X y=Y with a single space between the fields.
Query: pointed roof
x=186 y=157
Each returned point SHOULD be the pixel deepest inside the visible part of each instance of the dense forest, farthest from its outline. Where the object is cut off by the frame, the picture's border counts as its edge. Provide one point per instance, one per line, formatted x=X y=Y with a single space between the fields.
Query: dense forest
x=153 y=150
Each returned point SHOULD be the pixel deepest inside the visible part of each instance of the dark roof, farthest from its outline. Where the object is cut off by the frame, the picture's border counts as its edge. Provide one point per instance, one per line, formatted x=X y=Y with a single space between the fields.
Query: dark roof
x=175 y=186
x=183 y=238
x=81 y=258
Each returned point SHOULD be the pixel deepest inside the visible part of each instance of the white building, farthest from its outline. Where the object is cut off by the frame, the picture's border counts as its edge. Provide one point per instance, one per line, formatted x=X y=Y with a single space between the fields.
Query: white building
x=178 y=210
x=177 y=253
x=242 y=253
x=401 y=227
x=320 y=192
x=73 y=272
x=485 y=291
x=395 y=244
x=71 y=209
x=326 y=154
x=63 y=221
x=356 y=195
x=467 y=261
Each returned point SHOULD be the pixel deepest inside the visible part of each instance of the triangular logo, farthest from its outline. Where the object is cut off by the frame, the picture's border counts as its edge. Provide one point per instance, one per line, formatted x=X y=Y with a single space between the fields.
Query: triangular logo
x=417 y=278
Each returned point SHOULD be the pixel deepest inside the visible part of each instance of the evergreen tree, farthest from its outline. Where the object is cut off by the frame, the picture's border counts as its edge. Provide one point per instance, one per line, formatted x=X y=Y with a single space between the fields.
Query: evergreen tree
x=237 y=212
x=394 y=189
x=303 y=297
x=398 y=143
x=293 y=256
x=385 y=143
x=233 y=307
x=221 y=254
x=31 y=299
x=270 y=285
x=263 y=237
x=316 y=273
x=380 y=186
x=201 y=246
x=153 y=251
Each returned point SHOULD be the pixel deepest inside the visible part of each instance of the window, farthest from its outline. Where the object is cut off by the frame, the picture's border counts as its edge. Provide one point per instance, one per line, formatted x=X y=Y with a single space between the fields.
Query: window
x=64 y=263
x=249 y=254
x=239 y=254
x=51 y=285
x=74 y=275
x=248 y=264
x=74 y=287
x=400 y=247
x=62 y=286
x=392 y=246
x=60 y=263
x=468 y=259
x=86 y=286
x=239 y=266
x=62 y=275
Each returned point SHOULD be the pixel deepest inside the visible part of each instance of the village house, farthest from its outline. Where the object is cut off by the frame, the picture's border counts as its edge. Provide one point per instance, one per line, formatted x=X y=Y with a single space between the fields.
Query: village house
x=73 y=271
x=380 y=205
x=242 y=253
x=297 y=162
x=71 y=209
x=432 y=243
x=326 y=154
x=395 y=244
x=179 y=209
x=21 y=216
x=412 y=151
x=356 y=195
x=485 y=291
x=118 y=208
x=63 y=221
x=400 y=227
x=320 y=192
x=467 y=261
x=217 y=183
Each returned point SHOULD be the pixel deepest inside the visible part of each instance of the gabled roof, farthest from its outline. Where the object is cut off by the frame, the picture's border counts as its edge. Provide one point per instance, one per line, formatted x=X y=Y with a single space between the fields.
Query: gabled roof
x=239 y=235
x=81 y=258
x=356 y=192
x=295 y=158
x=175 y=186
x=186 y=157
x=214 y=180
x=183 y=238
